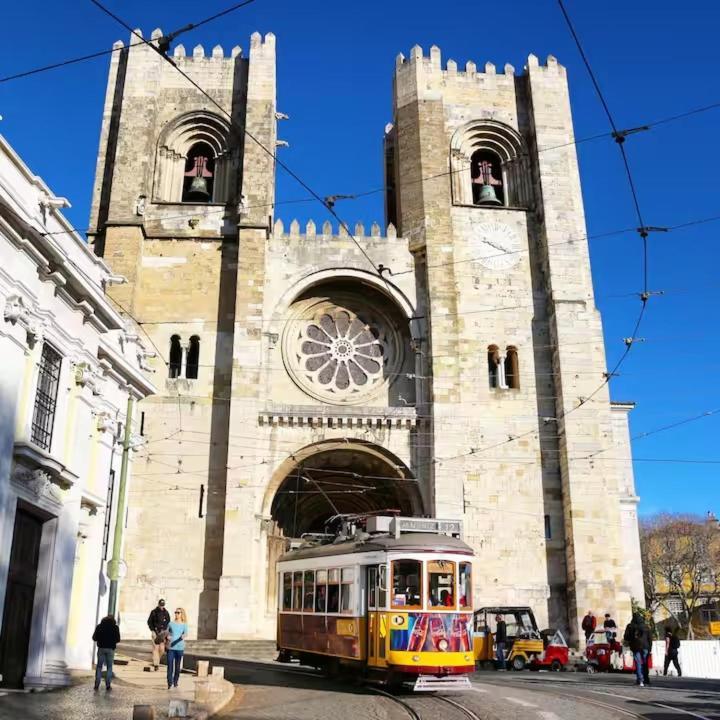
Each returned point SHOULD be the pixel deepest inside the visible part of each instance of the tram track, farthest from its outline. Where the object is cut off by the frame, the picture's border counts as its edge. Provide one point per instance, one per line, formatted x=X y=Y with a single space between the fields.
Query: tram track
x=416 y=706
x=581 y=698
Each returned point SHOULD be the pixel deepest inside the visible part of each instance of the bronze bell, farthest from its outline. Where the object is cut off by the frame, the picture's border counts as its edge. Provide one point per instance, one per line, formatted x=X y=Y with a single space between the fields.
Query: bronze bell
x=198 y=189
x=488 y=196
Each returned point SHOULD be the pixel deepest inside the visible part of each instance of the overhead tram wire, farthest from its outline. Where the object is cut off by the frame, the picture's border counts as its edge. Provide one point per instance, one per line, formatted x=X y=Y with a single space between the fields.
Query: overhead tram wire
x=325 y=202
x=643 y=230
x=169 y=38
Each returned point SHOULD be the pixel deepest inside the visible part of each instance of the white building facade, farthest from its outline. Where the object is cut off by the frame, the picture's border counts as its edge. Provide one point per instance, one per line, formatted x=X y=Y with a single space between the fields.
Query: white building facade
x=68 y=368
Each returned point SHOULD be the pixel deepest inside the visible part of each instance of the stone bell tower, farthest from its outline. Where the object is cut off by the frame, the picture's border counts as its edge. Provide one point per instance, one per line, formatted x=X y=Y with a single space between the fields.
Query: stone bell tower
x=486 y=187
x=182 y=206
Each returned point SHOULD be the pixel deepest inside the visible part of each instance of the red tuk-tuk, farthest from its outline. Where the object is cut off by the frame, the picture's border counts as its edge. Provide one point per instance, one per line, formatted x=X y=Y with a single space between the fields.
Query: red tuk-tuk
x=609 y=655
x=555 y=652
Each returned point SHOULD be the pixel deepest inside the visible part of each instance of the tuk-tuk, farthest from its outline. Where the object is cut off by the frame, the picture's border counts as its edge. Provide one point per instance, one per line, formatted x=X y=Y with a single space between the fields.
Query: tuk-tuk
x=524 y=642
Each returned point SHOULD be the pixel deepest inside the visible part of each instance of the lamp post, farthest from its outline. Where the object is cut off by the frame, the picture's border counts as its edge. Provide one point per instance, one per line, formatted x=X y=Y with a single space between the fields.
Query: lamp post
x=114 y=564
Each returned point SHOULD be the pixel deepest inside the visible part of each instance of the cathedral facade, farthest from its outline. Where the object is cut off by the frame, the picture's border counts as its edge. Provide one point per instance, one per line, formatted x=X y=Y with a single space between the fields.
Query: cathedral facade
x=449 y=363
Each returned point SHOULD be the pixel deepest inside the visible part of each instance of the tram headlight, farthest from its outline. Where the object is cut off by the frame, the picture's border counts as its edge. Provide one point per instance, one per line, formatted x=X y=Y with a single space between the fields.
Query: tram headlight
x=467 y=658
x=443 y=644
x=416 y=658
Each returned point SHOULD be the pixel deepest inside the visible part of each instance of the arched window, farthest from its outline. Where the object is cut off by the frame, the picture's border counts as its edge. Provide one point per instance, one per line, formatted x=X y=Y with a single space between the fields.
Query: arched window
x=512 y=369
x=175 y=365
x=193 y=358
x=197 y=160
x=487 y=178
x=492 y=360
x=489 y=166
x=199 y=175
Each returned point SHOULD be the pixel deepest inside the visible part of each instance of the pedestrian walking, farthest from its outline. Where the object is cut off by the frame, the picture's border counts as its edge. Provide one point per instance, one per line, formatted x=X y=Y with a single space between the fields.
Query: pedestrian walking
x=637 y=636
x=158 y=622
x=610 y=628
x=589 y=623
x=672 y=648
x=107 y=636
x=175 y=646
x=500 y=640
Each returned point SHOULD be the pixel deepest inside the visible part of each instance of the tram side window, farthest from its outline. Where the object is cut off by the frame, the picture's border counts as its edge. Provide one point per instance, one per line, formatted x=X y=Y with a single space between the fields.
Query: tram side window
x=441 y=583
x=297 y=591
x=333 y=592
x=465 y=585
x=287 y=591
x=372 y=587
x=321 y=590
x=382 y=586
x=406 y=576
x=309 y=591
x=346 y=590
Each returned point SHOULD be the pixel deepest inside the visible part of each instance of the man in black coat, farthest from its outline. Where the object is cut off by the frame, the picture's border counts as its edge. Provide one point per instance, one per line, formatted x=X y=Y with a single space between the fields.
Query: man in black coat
x=637 y=636
x=107 y=636
x=158 y=622
x=672 y=648
x=500 y=640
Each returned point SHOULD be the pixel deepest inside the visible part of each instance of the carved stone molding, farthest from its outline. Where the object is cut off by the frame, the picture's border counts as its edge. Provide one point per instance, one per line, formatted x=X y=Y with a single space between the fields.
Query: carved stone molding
x=39 y=483
x=15 y=310
x=105 y=422
x=90 y=377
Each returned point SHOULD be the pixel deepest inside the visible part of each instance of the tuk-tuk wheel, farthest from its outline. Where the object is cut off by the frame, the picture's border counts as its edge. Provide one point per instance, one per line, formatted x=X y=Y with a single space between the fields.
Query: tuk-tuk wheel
x=590 y=669
x=518 y=662
x=556 y=666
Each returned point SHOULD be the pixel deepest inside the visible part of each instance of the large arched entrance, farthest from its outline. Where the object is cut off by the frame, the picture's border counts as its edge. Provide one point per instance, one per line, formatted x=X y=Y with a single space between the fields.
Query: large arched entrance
x=332 y=478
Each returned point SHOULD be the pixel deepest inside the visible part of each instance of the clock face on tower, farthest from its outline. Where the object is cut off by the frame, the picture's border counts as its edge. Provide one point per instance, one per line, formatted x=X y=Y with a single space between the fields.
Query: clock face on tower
x=495 y=245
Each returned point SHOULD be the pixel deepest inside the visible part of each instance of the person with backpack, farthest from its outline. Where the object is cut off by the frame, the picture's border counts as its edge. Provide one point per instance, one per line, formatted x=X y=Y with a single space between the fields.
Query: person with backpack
x=672 y=648
x=107 y=636
x=637 y=636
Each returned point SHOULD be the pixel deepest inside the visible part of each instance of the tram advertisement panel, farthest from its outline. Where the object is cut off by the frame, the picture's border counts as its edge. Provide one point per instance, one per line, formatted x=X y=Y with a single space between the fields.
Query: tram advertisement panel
x=430 y=632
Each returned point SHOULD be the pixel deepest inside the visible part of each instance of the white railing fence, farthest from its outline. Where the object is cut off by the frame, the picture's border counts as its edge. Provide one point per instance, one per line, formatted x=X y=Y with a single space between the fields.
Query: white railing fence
x=698 y=658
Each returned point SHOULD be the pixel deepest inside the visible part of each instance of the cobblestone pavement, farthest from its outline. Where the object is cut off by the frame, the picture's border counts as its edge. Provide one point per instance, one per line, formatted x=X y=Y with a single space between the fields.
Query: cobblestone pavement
x=79 y=702
x=131 y=686
x=292 y=693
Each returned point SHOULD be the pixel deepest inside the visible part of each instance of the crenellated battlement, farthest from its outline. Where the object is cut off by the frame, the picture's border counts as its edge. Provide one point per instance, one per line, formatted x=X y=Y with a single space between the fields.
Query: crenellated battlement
x=432 y=64
x=327 y=231
x=259 y=45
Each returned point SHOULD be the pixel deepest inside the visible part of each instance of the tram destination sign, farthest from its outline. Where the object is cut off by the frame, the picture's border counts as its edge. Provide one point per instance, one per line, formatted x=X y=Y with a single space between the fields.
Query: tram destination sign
x=429 y=525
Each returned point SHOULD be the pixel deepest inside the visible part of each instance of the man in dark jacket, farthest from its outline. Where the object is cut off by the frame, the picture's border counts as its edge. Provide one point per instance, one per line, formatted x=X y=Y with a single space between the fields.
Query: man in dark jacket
x=158 y=621
x=637 y=637
x=589 y=622
x=610 y=629
x=107 y=636
x=672 y=648
x=500 y=640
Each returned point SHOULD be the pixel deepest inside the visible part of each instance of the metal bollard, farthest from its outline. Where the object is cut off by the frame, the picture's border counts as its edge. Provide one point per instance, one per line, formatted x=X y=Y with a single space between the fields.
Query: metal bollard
x=178 y=708
x=143 y=712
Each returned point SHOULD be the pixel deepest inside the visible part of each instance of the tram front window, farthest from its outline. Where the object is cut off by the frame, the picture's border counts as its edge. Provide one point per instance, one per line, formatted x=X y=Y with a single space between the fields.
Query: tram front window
x=406 y=576
x=441 y=583
x=465 y=585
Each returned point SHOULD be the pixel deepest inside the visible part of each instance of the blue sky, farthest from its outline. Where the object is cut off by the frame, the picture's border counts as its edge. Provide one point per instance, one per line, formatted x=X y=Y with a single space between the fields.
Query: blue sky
x=335 y=62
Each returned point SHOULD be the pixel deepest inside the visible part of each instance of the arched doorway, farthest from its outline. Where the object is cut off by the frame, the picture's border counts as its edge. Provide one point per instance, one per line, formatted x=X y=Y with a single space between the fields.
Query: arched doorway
x=330 y=479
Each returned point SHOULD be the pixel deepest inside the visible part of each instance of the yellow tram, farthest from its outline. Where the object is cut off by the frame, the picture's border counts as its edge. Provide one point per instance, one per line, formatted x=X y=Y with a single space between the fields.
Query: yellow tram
x=392 y=600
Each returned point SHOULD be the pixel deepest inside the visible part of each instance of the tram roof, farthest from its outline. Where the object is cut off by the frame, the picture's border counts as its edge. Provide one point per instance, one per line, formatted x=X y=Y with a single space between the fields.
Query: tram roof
x=407 y=542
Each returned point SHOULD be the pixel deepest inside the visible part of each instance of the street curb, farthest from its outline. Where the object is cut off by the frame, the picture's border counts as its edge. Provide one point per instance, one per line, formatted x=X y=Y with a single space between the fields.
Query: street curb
x=226 y=693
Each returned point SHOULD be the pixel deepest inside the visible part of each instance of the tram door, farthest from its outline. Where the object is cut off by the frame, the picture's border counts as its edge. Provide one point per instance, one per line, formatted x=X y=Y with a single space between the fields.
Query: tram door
x=377 y=618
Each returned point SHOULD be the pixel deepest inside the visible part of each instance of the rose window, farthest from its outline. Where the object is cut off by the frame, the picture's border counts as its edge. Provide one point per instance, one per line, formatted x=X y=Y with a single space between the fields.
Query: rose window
x=341 y=353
